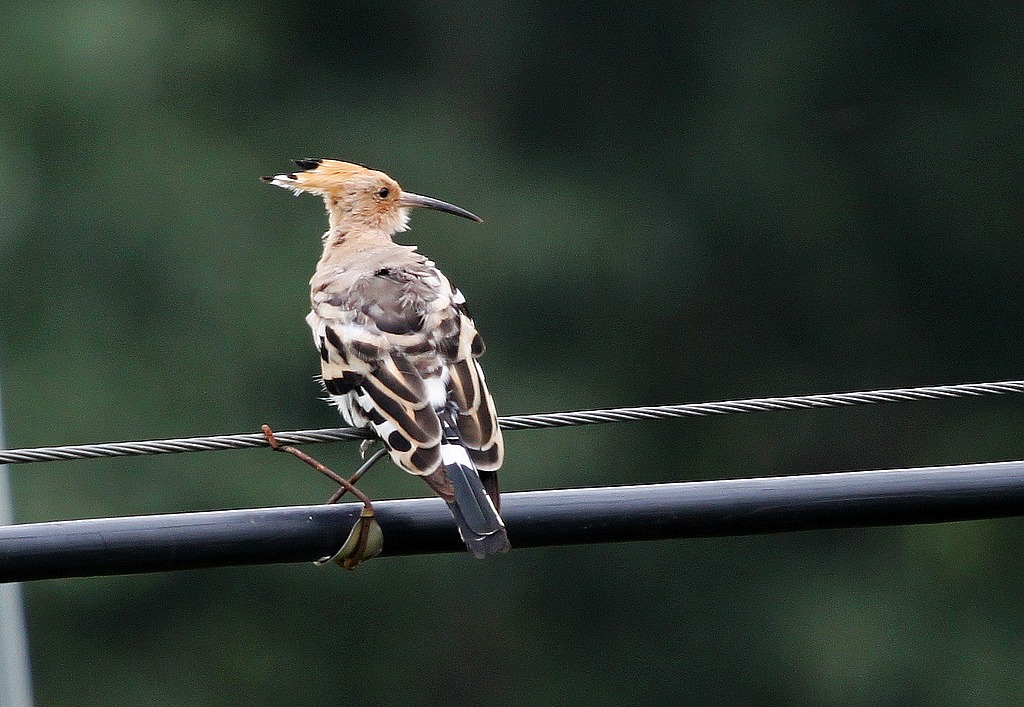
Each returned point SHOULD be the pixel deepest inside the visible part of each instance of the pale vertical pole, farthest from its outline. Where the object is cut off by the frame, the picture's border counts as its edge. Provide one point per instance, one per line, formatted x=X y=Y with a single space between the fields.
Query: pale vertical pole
x=15 y=670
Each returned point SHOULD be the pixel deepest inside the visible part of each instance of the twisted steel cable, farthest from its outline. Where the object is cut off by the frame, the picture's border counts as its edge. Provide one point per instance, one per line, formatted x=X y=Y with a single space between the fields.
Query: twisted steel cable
x=518 y=422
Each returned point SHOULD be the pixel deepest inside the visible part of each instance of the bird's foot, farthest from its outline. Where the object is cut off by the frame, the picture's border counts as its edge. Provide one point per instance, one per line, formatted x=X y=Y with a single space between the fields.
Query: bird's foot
x=364 y=447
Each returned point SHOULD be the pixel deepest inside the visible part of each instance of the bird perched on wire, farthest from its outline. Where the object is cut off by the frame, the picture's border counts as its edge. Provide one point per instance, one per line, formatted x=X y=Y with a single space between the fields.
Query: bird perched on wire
x=398 y=348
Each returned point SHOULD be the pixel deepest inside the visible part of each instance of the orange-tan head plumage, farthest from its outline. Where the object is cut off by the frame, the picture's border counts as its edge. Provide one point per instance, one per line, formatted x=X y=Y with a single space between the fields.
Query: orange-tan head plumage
x=357 y=197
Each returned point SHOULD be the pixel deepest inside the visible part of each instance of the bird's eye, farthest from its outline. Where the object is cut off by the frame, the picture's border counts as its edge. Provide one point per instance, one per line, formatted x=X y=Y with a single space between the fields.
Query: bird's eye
x=383 y=192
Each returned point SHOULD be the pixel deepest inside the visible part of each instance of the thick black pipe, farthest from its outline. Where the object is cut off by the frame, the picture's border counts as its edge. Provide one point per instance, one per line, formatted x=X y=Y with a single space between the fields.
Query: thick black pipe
x=104 y=546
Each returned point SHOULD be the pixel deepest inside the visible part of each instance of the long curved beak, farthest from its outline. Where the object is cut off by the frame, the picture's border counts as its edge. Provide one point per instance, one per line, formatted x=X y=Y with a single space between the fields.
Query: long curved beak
x=429 y=202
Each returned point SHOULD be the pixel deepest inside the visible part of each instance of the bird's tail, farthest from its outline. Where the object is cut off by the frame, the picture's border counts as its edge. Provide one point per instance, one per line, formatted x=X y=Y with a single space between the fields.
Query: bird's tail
x=479 y=524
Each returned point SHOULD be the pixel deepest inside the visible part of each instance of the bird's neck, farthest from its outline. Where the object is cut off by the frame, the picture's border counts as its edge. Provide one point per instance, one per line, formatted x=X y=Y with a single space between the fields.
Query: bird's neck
x=343 y=215
x=354 y=239
x=341 y=245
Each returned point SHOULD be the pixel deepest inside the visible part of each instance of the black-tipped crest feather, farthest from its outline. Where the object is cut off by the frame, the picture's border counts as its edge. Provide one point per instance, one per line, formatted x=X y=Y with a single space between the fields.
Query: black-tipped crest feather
x=308 y=162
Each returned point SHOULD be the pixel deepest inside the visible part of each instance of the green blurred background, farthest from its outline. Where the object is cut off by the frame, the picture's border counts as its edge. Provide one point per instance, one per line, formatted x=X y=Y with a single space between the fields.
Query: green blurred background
x=683 y=202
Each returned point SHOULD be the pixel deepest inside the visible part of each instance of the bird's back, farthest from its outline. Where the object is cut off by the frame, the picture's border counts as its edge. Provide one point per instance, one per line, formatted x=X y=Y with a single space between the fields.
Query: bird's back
x=398 y=349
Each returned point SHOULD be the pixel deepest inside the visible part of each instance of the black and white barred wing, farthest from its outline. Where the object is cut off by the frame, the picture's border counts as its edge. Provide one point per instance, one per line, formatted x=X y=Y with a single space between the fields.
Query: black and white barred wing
x=373 y=388
x=397 y=347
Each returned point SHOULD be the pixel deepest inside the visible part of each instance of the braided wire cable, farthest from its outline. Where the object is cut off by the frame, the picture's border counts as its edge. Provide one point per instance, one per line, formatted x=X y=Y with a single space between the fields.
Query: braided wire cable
x=518 y=422
x=729 y=407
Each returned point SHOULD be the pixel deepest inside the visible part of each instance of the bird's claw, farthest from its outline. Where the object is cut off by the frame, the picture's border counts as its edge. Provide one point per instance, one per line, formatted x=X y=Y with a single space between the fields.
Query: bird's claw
x=364 y=447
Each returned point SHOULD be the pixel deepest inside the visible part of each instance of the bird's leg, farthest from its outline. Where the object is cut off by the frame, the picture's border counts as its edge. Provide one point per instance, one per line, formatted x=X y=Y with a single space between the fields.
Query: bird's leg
x=350 y=558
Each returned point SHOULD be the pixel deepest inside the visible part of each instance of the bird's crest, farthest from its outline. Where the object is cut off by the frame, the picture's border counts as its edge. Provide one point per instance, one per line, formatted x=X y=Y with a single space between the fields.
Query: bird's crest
x=321 y=176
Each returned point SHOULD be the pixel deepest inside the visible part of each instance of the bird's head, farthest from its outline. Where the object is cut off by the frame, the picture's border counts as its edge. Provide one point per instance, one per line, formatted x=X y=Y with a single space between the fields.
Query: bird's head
x=359 y=198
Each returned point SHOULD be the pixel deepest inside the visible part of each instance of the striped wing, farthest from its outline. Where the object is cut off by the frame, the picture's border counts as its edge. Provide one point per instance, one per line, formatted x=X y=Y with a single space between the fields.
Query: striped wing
x=396 y=347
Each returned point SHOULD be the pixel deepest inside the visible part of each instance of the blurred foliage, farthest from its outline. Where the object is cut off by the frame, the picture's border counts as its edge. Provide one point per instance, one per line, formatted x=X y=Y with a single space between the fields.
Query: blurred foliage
x=683 y=202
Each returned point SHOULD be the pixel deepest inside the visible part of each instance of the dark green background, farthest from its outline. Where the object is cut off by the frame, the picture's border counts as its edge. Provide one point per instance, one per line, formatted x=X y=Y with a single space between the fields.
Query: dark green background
x=683 y=202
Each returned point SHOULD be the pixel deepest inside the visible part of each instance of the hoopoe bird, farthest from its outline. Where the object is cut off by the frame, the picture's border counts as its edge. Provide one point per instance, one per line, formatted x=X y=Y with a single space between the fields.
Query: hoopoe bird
x=398 y=349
